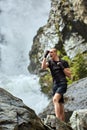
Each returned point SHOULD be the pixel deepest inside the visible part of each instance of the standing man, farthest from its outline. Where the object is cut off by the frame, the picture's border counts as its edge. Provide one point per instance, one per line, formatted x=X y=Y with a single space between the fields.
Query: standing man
x=59 y=70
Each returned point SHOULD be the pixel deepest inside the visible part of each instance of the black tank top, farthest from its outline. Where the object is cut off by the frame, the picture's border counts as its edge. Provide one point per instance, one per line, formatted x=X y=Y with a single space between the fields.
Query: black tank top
x=56 y=71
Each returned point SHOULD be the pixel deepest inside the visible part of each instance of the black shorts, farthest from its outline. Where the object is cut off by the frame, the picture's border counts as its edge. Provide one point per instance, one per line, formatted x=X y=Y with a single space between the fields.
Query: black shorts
x=60 y=88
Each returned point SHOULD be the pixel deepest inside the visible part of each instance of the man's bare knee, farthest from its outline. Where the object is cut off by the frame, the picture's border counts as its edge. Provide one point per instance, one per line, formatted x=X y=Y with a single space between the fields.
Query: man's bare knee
x=56 y=98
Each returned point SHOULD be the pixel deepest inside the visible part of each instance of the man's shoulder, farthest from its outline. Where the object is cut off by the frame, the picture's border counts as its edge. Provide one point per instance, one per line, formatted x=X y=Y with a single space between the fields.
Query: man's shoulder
x=62 y=60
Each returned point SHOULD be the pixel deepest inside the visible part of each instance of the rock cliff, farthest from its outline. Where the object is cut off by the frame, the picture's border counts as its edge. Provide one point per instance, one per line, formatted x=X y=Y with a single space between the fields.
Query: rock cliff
x=15 y=115
x=66 y=27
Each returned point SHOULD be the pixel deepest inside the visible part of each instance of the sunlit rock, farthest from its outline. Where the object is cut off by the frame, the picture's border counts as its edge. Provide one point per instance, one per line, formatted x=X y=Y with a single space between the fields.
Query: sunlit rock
x=78 y=119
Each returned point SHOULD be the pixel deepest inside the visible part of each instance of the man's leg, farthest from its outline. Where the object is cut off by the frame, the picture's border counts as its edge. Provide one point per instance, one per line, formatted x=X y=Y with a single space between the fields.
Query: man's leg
x=59 y=108
x=62 y=113
x=62 y=108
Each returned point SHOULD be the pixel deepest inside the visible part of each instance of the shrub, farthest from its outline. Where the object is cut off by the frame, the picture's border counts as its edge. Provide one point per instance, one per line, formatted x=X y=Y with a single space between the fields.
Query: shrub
x=79 y=67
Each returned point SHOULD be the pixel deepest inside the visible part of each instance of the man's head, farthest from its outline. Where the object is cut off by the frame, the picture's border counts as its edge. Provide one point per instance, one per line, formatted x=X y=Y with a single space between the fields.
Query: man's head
x=53 y=53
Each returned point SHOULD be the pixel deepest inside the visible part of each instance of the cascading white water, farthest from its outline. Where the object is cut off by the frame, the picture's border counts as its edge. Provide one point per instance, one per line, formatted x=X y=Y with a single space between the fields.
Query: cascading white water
x=19 y=21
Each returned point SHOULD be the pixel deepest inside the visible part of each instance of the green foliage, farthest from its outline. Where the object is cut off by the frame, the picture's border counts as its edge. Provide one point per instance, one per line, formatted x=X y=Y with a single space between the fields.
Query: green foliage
x=79 y=67
x=46 y=83
x=67 y=59
x=62 y=53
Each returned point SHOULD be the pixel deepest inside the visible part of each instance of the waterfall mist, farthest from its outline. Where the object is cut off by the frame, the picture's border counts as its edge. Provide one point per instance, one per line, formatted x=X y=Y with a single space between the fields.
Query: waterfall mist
x=19 y=22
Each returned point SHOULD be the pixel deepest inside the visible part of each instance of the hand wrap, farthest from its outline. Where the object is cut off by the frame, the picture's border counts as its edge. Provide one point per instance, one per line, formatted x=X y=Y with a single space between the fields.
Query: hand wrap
x=46 y=53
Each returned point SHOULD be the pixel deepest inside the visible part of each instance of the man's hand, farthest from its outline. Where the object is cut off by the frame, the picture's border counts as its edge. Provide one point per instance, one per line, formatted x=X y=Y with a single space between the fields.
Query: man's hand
x=46 y=53
x=61 y=65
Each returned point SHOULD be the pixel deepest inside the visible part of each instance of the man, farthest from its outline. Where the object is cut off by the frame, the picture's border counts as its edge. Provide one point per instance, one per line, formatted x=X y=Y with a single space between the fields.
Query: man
x=59 y=70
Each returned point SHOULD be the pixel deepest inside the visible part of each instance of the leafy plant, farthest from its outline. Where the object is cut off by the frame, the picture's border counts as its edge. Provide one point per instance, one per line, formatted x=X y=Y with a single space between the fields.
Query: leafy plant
x=79 y=67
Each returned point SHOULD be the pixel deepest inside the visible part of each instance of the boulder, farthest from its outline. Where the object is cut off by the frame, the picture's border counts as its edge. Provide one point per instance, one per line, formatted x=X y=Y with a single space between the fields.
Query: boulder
x=78 y=119
x=76 y=96
x=56 y=124
x=15 y=115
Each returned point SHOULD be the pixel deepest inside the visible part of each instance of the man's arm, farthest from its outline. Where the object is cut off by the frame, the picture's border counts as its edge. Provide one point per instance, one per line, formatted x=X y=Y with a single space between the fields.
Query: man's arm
x=67 y=72
x=44 y=64
x=65 y=69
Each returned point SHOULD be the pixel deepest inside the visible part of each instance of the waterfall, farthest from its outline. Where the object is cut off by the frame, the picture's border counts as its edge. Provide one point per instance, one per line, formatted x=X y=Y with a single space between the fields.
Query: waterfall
x=19 y=22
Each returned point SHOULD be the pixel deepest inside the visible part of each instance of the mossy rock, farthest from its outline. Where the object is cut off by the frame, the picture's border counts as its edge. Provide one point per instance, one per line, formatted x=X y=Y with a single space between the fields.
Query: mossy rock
x=46 y=83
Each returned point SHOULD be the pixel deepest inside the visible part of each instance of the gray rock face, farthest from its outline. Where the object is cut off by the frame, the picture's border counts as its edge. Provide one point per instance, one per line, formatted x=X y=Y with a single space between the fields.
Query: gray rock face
x=80 y=9
x=14 y=115
x=66 y=26
x=56 y=124
x=76 y=42
x=78 y=119
x=76 y=95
